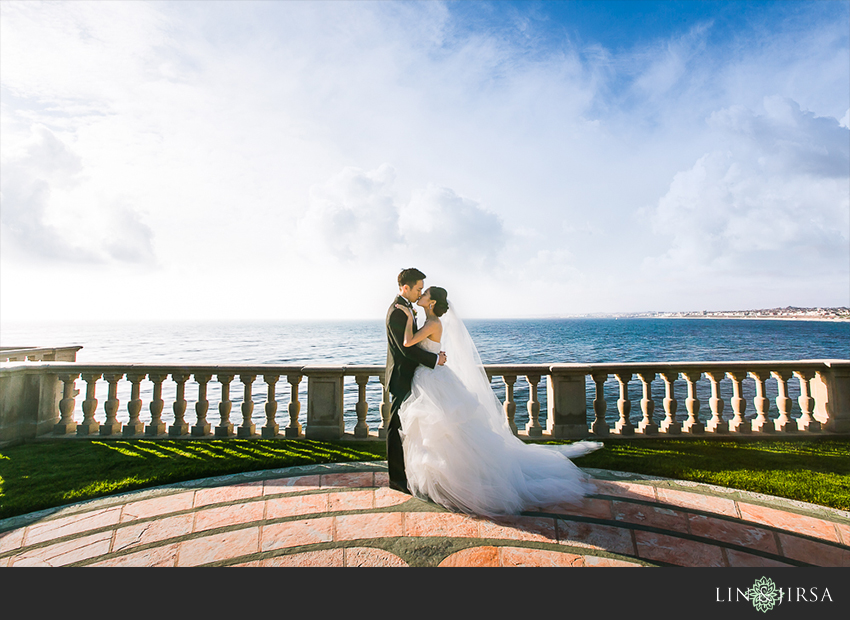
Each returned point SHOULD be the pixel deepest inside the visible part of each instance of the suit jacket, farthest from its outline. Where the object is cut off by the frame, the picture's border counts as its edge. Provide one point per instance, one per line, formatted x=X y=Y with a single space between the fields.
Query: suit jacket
x=402 y=360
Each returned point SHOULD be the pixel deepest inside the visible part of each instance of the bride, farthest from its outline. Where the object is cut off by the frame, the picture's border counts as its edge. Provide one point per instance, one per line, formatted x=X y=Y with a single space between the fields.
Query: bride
x=458 y=448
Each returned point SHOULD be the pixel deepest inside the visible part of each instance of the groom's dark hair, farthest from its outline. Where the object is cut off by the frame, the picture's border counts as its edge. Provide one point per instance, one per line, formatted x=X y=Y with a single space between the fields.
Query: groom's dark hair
x=410 y=277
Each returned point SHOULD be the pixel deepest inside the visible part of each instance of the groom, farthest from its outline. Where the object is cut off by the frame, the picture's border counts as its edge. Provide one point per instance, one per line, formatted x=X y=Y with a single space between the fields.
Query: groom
x=401 y=362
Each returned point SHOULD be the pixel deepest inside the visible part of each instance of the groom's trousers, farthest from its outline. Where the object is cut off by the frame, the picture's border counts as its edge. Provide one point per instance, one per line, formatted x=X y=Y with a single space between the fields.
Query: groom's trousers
x=395 y=452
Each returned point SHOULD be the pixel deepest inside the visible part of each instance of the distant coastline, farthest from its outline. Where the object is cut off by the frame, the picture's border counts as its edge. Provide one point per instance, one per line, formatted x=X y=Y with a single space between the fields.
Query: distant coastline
x=789 y=313
x=755 y=318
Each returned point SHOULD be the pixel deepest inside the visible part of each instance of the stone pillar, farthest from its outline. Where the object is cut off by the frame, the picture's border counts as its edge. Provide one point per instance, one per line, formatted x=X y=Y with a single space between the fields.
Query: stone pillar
x=202 y=428
x=533 y=428
x=807 y=421
x=294 y=428
x=66 y=424
x=647 y=425
x=89 y=425
x=49 y=395
x=272 y=428
x=509 y=406
x=157 y=426
x=20 y=391
x=180 y=427
x=225 y=426
x=692 y=424
x=670 y=425
x=831 y=391
x=247 y=428
x=716 y=424
x=762 y=424
x=386 y=410
x=66 y=354
x=600 y=407
x=624 y=405
x=738 y=424
x=361 y=429
x=324 y=402
x=783 y=424
x=134 y=427
x=111 y=426
x=567 y=404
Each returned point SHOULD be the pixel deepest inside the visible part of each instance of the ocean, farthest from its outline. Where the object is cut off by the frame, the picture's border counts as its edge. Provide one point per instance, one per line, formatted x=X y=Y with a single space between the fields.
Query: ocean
x=506 y=341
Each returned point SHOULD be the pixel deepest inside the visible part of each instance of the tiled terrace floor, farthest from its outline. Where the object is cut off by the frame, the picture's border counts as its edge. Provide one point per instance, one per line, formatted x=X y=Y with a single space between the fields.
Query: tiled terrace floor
x=345 y=515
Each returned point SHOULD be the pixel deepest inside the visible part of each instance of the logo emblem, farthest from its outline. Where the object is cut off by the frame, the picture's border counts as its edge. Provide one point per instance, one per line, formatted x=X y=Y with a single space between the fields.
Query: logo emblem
x=764 y=594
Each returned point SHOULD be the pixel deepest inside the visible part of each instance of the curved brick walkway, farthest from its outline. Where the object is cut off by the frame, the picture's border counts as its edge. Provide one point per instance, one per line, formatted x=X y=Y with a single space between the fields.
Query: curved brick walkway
x=345 y=515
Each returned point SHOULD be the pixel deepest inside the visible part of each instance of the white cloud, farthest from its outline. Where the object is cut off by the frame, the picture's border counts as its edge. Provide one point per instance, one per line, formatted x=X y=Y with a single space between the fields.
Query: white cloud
x=356 y=216
x=40 y=223
x=352 y=216
x=786 y=139
x=456 y=230
x=663 y=65
x=773 y=203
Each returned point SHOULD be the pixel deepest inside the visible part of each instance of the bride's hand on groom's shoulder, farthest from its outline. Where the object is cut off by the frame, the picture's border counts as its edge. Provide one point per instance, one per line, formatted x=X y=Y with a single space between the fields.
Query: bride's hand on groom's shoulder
x=404 y=309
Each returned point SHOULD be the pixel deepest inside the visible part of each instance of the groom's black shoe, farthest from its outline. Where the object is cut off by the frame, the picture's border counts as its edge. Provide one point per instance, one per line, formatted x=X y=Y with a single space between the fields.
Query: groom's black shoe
x=400 y=487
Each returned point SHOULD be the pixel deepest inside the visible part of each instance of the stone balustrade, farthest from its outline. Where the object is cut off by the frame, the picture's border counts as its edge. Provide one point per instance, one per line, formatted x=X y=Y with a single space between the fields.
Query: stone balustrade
x=39 y=354
x=41 y=399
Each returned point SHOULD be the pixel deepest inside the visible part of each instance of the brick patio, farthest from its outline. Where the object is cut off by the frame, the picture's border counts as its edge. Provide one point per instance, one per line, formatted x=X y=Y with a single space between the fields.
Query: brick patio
x=345 y=515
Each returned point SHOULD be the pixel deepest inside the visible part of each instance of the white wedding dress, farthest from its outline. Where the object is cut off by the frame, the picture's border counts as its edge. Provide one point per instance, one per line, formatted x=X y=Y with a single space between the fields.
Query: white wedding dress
x=459 y=450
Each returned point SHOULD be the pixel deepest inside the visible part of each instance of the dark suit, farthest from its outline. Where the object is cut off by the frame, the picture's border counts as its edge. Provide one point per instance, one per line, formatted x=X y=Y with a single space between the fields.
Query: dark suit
x=401 y=363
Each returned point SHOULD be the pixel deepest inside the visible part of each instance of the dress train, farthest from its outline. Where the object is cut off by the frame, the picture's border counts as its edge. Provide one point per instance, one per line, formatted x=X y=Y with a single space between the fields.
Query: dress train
x=459 y=450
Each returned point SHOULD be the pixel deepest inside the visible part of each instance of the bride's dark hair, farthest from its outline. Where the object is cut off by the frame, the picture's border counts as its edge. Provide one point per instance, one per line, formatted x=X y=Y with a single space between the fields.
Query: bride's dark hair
x=441 y=297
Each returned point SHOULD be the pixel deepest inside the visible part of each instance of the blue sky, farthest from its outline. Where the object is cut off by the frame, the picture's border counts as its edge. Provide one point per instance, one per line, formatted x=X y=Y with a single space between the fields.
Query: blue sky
x=280 y=160
x=619 y=25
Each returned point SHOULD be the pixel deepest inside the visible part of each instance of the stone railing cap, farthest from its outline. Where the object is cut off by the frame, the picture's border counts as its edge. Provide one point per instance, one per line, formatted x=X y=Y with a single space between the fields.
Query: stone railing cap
x=378 y=370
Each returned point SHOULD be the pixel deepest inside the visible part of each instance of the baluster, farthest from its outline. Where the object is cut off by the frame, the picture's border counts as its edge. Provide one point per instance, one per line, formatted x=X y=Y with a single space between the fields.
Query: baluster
x=716 y=424
x=134 y=427
x=247 y=429
x=361 y=429
x=386 y=409
x=202 y=427
x=600 y=407
x=89 y=425
x=157 y=426
x=225 y=426
x=272 y=428
x=762 y=424
x=112 y=426
x=66 y=423
x=294 y=428
x=624 y=405
x=180 y=427
x=783 y=424
x=670 y=424
x=509 y=406
x=738 y=424
x=533 y=428
x=647 y=425
x=807 y=421
x=693 y=424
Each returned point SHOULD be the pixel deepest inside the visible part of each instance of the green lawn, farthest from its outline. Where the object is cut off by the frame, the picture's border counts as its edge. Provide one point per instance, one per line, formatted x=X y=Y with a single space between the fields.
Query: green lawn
x=47 y=474
x=809 y=470
x=41 y=475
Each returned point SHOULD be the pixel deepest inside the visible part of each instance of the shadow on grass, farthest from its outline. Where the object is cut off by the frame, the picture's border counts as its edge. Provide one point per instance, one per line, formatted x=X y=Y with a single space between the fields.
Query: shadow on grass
x=47 y=474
